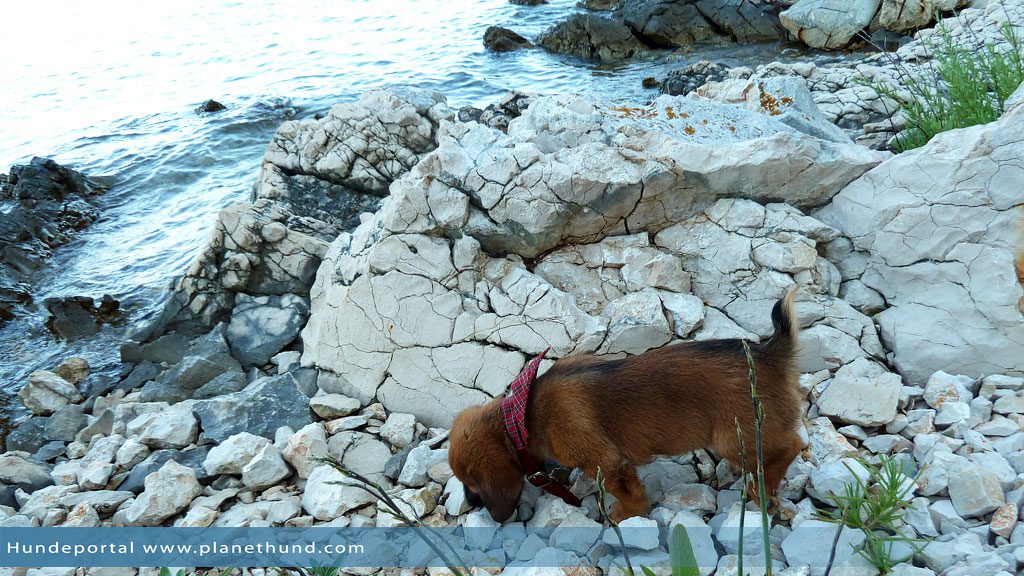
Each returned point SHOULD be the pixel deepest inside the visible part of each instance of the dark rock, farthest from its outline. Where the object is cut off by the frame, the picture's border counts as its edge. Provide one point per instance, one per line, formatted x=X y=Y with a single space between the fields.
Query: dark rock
x=666 y=23
x=192 y=458
x=104 y=502
x=261 y=408
x=225 y=383
x=261 y=326
x=75 y=317
x=102 y=426
x=597 y=5
x=46 y=204
x=306 y=379
x=591 y=36
x=29 y=436
x=64 y=423
x=651 y=82
x=209 y=107
x=180 y=382
x=527 y=2
x=686 y=80
x=469 y=114
x=142 y=373
x=168 y=349
x=393 y=467
x=7 y=496
x=886 y=40
x=744 y=20
x=498 y=39
x=498 y=115
x=50 y=451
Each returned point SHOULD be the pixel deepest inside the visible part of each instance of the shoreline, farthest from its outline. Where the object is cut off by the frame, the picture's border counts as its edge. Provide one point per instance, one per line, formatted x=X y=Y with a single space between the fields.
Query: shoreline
x=398 y=262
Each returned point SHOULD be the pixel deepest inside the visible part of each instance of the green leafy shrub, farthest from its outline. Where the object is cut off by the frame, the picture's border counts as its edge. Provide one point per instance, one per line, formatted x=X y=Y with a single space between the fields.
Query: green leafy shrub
x=965 y=87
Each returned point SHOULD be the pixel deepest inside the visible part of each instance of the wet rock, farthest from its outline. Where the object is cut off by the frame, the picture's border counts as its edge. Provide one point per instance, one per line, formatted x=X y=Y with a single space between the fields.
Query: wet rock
x=528 y=2
x=262 y=326
x=591 y=36
x=261 y=408
x=665 y=23
x=45 y=392
x=597 y=5
x=828 y=23
x=687 y=79
x=73 y=370
x=209 y=107
x=49 y=204
x=498 y=39
x=75 y=317
x=168 y=491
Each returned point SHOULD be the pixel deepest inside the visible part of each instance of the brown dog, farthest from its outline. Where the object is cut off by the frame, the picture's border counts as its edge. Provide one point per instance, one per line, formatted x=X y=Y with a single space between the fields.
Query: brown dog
x=591 y=413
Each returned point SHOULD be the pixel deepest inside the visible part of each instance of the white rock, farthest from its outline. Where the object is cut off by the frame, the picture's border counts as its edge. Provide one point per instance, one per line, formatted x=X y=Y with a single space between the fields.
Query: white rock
x=233 y=454
x=577 y=534
x=637 y=532
x=265 y=469
x=1010 y=404
x=455 y=497
x=480 y=529
x=330 y=406
x=810 y=544
x=942 y=388
x=951 y=413
x=305 y=448
x=419 y=460
x=974 y=489
x=399 y=429
x=862 y=392
x=168 y=491
x=685 y=312
x=636 y=323
x=45 y=392
x=728 y=533
x=175 y=427
x=832 y=478
x=325 y=499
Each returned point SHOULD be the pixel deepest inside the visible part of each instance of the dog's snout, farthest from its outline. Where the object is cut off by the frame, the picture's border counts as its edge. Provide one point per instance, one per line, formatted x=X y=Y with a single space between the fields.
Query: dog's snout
x=473 y=498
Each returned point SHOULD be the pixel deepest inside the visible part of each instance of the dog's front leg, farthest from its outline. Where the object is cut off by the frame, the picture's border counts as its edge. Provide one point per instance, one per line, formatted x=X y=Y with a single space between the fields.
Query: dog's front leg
x=630 y=495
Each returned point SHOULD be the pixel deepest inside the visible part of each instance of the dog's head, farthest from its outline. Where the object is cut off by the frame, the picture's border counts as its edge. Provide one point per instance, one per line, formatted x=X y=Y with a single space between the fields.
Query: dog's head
x=482 y=458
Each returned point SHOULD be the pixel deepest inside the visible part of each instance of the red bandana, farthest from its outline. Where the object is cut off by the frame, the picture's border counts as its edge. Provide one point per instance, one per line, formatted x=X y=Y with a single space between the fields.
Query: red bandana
x=513 y=411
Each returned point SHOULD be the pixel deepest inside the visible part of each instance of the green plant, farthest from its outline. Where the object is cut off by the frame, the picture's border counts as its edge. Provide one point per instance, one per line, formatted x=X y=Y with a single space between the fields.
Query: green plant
x=680 y=550
x=965 y=87
x=762 y=496
x=876 y=506
x=453 y=561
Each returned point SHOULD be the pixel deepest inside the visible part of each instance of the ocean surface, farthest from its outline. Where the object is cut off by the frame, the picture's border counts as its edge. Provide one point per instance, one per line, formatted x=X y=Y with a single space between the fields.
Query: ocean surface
x=110 y=87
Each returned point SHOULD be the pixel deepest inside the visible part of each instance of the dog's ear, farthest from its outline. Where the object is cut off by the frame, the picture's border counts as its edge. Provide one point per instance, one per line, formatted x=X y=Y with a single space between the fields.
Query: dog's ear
x=500 y=488
x=481 y=457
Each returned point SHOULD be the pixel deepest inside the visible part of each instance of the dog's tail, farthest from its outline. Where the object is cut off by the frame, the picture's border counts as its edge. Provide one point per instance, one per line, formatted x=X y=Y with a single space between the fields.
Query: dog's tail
x=782 y=344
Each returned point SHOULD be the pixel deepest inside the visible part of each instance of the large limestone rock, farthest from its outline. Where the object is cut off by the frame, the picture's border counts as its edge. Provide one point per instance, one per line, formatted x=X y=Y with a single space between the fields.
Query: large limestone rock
x=862 y=393
x=828 y=23
x=430 y=305
x=935 y=232
x=45 y=392
x=317 y=177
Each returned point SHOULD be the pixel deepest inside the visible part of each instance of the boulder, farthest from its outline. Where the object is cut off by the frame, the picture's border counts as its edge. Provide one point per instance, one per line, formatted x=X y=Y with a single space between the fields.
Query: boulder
x=743 y=20
x=45 y=392
x=261 y=326
x=974 y=489
x=828 y=24
x=175 y=427
x=862 y=392
x=939 y=248
x=591 y=36
x=905 y=16
x=18 y=469
x=261 y=408
x=168 y=491
x=668 y=24
x=498 y=39
x=74 y=370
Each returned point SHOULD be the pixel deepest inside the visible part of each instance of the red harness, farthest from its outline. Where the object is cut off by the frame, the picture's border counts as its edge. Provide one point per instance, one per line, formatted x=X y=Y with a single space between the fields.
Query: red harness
x=513 y=410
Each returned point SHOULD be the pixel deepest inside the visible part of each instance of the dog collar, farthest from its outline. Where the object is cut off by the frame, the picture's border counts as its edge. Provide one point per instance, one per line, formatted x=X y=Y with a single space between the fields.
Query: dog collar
x=513 y=411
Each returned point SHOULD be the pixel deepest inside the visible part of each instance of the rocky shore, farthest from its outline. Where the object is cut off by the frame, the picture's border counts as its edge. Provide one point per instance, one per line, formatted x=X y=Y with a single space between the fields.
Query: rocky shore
x=400 y=260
